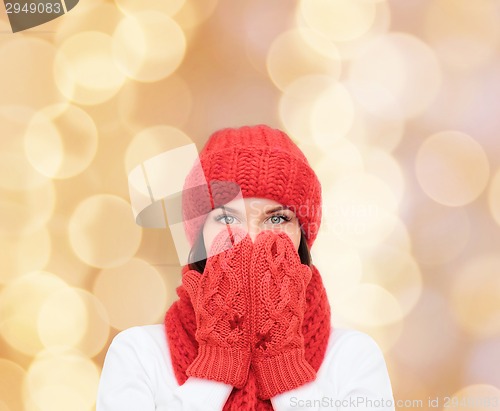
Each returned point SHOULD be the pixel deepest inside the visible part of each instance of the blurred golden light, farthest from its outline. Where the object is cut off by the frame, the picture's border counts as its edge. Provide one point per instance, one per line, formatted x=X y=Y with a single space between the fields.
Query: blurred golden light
x=273 y=18
x=12 y=376
x=386 y=336
x=452 y=168
x=430 y=231
x=73 y=317
x=370 y=305
x=195 y=12
x=84 y=69
x=156 y=248
x=26 y=72
x=494 y=197
x=361 y=209
x=148 y=46
x=96 y=334
x=474 y=296
x=479 y=397
x=133 y=294
x=153 y=141
x=4 y=26
x=339 y=20
x=291 y=46
x=384 y=166
x=61 y=379
x=228 y=101
x=464 y=34
x=45 y=155
x=16 y=173
x=430 y=340
x=348 y=50
x=89 y=15
x=313 y=153
x=395 y=270
x=20 y=303
x=298 y=101
x=62 y=319
x=24 y=212
x=332 y=115
x=131 y=7
x=399 y=236
x=340 y=160
x=384 y=134
x=339 y=264
x=396 y=75
x=481 y=362
x=64 y=262
x=51 y=154
x=102 y=231
x=172 y=99
x=25 y=253
x=105 y=175
x=408 y=386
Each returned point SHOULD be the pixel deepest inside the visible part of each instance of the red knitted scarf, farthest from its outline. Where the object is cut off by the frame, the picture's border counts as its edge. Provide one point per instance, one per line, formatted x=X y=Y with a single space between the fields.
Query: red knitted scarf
x=180 y=328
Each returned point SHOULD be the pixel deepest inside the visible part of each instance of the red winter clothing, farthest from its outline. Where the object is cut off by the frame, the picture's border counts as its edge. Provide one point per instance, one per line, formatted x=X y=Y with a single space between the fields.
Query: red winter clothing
x=285 y=325
x=256 y=161
x=181 y=329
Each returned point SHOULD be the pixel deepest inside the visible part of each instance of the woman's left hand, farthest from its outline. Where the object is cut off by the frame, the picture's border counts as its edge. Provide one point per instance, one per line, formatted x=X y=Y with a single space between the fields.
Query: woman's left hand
x=220 y=298
x=278 y=283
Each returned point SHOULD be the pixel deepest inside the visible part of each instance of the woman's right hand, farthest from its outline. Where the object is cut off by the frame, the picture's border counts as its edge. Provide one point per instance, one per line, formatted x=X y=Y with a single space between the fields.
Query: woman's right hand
x=220 y=297
x=278 y=281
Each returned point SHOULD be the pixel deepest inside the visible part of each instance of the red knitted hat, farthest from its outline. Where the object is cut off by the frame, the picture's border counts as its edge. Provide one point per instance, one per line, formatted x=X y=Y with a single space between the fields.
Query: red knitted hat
x=261 y=162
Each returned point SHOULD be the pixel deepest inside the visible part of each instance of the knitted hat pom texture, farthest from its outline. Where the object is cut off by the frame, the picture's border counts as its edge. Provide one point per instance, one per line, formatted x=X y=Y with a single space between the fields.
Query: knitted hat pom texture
x=251 y=161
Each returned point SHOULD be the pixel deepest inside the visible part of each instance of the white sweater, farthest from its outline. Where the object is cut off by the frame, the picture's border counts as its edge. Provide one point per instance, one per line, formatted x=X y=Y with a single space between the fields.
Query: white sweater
x=137 y=375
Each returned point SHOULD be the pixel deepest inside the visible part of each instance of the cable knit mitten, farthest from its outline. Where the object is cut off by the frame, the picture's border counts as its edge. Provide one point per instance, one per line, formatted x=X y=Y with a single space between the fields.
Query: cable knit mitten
x=278 y=282
x=220 y=299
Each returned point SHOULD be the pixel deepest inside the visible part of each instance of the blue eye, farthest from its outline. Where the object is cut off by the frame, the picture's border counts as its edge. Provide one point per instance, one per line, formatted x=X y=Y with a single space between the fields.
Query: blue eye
x=228 y=219
x=280 y=216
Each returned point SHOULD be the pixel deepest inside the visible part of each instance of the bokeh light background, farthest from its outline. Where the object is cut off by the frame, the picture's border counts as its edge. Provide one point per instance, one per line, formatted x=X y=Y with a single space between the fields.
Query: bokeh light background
x=395 y=103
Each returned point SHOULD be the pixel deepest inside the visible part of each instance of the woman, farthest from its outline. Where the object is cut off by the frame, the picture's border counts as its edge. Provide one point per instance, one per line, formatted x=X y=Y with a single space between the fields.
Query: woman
x=251 y=329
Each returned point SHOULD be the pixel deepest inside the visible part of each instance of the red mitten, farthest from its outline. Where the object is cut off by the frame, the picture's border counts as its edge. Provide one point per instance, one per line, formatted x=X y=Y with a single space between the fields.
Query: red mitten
x=220 y=298
x=278 y=282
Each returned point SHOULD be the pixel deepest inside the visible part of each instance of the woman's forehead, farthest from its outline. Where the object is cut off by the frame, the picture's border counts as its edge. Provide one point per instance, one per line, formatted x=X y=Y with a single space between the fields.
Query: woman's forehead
x=253 y=203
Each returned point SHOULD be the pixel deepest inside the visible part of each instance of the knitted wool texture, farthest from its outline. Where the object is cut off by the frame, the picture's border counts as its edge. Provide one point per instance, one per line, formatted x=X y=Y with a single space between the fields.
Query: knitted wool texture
x=278 y=284
x=254 y=161
x=221 y=301
x=180 y=325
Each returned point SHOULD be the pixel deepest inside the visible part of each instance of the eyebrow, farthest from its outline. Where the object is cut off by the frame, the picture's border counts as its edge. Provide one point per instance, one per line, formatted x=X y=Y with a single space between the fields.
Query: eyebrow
x=272 y=210
x=232 y=210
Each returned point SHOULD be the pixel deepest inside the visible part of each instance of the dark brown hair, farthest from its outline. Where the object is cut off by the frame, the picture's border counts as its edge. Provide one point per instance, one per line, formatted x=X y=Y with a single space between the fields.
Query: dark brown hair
x=198 y=257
